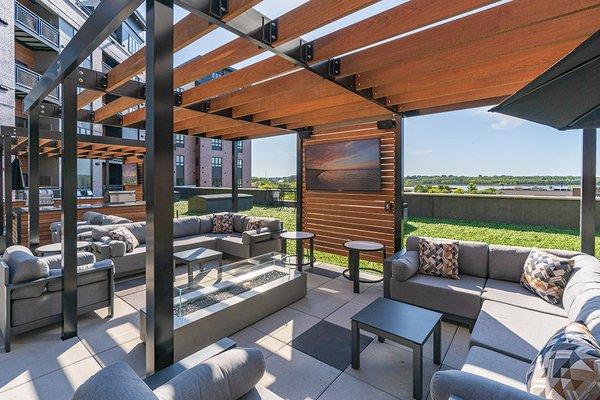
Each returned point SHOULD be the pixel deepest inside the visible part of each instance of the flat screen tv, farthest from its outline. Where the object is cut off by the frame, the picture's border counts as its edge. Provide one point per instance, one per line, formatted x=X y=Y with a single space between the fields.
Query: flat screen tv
x=344 y=166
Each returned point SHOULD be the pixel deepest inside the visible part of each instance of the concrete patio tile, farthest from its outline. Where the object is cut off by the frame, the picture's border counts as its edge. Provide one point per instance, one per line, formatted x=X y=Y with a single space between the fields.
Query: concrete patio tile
x=448 y=331
x=342 y=315
x=294 y=375
x=330 y=267
x=37 y=353
x=459 y=348
x=57 y=385
x=126 y=286
x=339 y=288
x=318 y=304
x=251 y=337
x=369 y=295
x=348 y=387
x=314 y=280
x=136 y=300
x=132 y=352
x=389 y=368
x=99 y=333
x=286 y=324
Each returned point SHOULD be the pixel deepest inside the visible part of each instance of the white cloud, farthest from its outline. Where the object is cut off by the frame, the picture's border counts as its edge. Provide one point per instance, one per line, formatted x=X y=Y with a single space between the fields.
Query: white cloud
x=499 y=122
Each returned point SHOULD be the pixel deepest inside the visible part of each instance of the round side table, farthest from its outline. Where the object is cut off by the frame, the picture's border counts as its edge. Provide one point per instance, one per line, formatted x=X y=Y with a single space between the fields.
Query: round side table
x=299 y=236
x=353 y=272
x=56 y=248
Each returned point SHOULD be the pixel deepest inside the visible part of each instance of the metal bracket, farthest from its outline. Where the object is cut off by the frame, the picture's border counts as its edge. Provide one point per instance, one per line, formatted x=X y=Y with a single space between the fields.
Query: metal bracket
x=306 y=51
x=120 y=119
x=305 y=132
x=143 y=92
x=218 y=8
x=93 y=116
x=334 y=66
x=104 y=81
x=386 y=124
x=205 y=106
x=269 y=31
x=178 y=99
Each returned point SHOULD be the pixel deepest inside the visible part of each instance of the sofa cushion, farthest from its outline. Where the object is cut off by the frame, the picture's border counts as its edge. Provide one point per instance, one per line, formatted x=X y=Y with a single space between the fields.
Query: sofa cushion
x=273 y=224
x=185 y=226
x=506 y=262
x=205 y=224
x=93 y=217
x=497 y=367
x=472 y=256
x=24 y=266
x=568 y=367
x=83 y=258
x=516 y=332
x=82 y=279
x=405 y=266
x=233 y=245
x=438 y=258
x=457 y=297
x=222 y=223
x=513 y=293
x=114 y=382
x=229 y=375
x=259 y=235
x=190 y=242
x=123 y=234
x=546 y=275
x=114 y=220
x=239 y=223
x=29 y=291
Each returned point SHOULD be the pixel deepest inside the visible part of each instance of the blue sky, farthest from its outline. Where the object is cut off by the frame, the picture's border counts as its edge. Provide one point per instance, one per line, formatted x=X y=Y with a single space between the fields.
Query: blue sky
x=468 y=142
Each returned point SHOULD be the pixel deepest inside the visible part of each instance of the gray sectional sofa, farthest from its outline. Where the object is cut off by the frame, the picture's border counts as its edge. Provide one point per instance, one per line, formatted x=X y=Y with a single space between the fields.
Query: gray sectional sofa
x=30 y=289
x=188 y=233
x=91 y=219
x=509 y=323
x=231 y=375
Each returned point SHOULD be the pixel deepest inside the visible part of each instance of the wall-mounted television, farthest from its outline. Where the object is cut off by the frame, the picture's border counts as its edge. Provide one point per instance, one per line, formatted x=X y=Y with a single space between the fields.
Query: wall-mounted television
x=344 y=166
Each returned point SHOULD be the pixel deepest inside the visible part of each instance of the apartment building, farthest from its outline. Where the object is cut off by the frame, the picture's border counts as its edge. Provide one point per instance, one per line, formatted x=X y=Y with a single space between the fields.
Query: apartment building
x=33 y=32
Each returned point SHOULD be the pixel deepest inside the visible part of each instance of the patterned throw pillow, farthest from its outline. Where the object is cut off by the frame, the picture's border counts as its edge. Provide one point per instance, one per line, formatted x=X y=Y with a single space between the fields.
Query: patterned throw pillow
x=124 y=235
x=223 y=223
x=253 y=224
x=438 y=258
x=546 y=275
x=568 y=367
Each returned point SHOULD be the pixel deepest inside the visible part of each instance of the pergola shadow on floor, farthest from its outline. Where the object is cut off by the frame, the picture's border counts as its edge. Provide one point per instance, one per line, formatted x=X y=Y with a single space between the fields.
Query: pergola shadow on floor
x=419 y=57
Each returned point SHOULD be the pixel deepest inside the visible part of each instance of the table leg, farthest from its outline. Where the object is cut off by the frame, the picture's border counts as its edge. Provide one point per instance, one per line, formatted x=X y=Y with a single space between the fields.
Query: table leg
x=284 y=246
x=418 y=372
x=220 y=269
x=312 y=252
x=353 y=260
x=355 y=345
x=191 y=272
x=299 y=255
x=437 y=343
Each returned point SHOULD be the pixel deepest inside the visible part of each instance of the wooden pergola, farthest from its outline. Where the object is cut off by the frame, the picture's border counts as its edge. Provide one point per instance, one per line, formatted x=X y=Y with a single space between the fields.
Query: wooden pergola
x=420 y=57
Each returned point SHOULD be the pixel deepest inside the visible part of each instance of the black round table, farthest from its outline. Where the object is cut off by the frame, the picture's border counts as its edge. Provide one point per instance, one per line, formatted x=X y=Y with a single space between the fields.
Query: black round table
x=299 y=236
x=353 y=272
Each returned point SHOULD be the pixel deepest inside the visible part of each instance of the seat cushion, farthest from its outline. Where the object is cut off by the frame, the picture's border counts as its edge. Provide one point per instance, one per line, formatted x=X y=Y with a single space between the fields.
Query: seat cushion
x=514 y=331
x=497 y=367
x=457 y=297
x=114 y=220
x=186 y=226
x=191 y=242
x=115 y=382
x=516 y=295
x=233 y=245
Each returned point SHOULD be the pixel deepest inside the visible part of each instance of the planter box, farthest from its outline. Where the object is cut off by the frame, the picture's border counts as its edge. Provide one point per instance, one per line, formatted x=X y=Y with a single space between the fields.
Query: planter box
x=203 y=327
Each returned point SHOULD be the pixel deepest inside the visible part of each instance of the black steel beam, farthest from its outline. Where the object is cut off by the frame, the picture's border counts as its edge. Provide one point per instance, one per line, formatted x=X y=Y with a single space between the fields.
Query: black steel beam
x=8 y=225
x=159 y=185
x=1 y=190
x=259 y=30
x=33 y=173
x=301 y=135
x=69 y=208
x=587 y=215
x=55 y=135
x=234 y=186
x=398 y=183
x=105 y=19
x=96 y=80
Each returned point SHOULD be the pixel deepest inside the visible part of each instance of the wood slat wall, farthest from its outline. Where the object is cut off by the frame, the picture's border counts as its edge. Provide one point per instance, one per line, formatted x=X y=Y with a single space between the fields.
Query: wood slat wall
x=336 y=217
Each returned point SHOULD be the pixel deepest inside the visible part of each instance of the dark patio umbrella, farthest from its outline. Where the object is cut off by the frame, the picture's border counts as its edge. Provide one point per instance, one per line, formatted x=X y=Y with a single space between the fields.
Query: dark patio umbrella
x=17 y=175
x=566 y=96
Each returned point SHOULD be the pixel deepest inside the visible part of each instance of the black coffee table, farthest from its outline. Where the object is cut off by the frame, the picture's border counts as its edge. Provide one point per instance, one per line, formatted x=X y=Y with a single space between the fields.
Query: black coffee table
x=403 y=323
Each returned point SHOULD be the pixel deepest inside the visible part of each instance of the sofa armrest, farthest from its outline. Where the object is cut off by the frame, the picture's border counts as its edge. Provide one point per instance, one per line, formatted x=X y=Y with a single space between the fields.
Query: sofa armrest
x=95 y=267
x=277 y=233
x=405 y=266
x=256 y=236
x=463 y=385
x=387 y=272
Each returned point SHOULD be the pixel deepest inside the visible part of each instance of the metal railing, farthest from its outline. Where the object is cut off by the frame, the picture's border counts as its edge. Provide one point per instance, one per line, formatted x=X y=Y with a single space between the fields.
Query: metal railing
x=27 y=19
x=27 y=79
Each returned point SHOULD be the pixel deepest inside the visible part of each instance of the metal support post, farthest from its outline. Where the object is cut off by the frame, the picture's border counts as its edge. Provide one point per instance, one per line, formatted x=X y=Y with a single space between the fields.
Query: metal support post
x=33 y=193
x=587 y=224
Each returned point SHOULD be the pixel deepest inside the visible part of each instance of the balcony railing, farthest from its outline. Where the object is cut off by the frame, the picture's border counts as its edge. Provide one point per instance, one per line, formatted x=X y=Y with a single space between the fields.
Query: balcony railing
x=27 y=79
x=27 y=19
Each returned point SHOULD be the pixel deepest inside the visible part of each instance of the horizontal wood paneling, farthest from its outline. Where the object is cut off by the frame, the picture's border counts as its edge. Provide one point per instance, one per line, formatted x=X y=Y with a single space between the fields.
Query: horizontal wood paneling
x=336 y=217
x=25 y=55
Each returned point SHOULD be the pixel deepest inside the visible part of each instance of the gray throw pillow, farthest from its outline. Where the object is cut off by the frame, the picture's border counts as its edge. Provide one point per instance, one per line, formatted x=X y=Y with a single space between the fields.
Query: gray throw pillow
x=405 y=266
x=124 y=235
x=24 y=266
x=206 y=224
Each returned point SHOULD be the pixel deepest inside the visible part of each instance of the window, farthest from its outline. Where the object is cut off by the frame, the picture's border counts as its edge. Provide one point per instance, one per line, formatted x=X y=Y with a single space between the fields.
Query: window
x=84 y=174
x=179 y=140
x=179 y=170
x=217 y=144
x=217 y=171
x=239 y=146
x=239 y=172
x=84 y=128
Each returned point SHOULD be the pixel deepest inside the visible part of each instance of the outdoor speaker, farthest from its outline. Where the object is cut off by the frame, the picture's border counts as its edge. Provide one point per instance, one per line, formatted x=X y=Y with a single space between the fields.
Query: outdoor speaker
x=386 y=124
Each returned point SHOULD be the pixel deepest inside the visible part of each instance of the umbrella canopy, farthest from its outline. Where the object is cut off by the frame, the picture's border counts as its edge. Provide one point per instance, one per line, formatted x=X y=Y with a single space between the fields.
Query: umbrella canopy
x=566 y=96
x=17 y=175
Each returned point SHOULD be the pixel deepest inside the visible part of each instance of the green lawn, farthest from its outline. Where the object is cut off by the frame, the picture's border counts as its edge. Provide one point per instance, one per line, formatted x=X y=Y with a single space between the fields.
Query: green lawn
x=489 y=232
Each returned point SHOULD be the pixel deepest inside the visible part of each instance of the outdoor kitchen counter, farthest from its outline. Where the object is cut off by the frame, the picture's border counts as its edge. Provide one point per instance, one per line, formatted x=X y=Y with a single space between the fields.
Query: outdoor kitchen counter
x=135 y=211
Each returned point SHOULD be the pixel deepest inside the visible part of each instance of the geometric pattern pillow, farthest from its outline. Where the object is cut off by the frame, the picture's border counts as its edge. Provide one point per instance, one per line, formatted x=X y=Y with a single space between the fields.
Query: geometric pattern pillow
x=438 y=258
x=223 y=223
x=253 y=224
x=546 y=275
x=124 y=235
x=568 y=367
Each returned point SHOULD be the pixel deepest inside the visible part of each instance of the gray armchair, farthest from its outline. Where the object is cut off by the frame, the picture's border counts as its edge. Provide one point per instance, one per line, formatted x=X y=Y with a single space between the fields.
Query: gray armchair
x=30 y=289
x=231 y=375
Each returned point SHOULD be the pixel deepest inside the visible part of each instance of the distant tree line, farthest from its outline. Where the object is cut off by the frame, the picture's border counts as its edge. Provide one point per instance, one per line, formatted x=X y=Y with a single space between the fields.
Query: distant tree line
x=471 y=189
x=496 y=180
